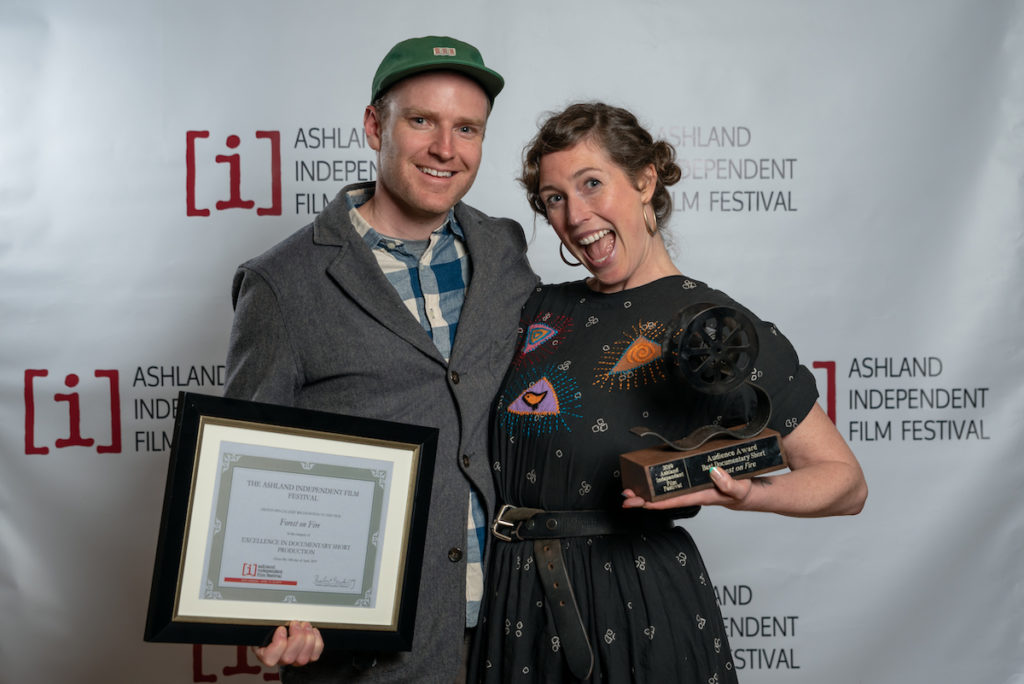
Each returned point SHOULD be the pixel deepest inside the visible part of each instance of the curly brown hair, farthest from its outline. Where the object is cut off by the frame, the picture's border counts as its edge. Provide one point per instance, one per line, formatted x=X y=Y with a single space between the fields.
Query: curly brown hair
x=619 y=134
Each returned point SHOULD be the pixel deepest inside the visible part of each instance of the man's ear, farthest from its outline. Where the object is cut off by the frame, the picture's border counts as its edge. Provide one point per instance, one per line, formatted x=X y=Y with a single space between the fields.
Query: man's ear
x=373 y=127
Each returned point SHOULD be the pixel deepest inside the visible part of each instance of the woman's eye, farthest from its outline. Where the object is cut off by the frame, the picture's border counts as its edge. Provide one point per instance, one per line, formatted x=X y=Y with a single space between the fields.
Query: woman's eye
x=552 y=199
x=592 y=183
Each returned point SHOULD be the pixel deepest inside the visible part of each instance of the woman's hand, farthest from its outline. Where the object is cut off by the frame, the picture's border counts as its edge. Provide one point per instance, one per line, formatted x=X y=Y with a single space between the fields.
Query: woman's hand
x=298 y=644
x=728 y=492
x=824 y=478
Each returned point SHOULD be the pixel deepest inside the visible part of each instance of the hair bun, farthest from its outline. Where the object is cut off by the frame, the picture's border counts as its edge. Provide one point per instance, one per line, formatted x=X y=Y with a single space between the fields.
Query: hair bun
x=664 y=155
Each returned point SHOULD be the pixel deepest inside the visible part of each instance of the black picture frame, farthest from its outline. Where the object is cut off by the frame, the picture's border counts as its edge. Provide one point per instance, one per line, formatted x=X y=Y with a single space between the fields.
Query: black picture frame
x=248 y=462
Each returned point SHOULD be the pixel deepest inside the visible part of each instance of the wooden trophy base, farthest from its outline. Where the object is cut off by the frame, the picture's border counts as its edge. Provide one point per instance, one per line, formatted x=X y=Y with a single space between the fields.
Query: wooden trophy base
x=662 y=472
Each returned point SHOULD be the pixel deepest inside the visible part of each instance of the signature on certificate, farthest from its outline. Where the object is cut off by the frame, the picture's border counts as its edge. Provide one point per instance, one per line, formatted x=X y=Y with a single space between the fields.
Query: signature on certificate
x=334 y=582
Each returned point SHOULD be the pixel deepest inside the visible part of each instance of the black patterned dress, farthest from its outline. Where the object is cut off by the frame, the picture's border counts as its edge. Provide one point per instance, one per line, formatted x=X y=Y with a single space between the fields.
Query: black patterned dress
x=589 y=367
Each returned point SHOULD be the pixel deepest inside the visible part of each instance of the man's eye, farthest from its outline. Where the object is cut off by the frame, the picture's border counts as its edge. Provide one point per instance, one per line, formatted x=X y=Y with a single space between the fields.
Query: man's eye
x=592 y=183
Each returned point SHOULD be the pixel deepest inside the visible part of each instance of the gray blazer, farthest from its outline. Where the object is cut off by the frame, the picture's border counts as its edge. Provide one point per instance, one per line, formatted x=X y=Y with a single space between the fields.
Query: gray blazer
x=317 y=325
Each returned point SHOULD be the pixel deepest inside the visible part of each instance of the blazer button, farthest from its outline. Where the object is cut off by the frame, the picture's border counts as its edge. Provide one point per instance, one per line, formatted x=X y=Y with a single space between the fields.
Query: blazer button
x=455 y=554
x=465 y=460
x=455 y=377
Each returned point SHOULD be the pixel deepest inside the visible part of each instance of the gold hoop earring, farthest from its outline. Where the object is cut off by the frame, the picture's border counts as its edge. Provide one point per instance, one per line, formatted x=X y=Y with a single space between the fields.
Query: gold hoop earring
x=561 y=246
x=647 y=222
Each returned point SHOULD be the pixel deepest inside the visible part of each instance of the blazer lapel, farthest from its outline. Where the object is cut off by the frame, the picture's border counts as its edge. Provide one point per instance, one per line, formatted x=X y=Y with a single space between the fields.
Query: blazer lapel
x=476 y=321
x=355 y=270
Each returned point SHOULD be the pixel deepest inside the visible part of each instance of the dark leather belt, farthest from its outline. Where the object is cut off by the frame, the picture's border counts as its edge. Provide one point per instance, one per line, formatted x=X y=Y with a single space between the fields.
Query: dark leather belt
x=545 y=529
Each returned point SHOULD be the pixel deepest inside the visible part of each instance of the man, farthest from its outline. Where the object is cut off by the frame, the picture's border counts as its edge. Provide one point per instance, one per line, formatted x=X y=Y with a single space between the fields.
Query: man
x=399 y=302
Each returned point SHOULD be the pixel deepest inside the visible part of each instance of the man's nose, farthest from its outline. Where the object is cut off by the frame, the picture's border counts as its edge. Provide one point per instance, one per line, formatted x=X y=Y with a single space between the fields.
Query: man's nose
x=443 y=146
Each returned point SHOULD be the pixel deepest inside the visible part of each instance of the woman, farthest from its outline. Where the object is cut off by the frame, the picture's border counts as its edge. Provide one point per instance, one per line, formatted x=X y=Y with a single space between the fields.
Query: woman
x=579 y=587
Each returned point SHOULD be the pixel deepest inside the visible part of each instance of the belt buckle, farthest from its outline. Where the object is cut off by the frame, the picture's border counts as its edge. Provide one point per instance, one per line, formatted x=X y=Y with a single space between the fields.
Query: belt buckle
x=499 y=522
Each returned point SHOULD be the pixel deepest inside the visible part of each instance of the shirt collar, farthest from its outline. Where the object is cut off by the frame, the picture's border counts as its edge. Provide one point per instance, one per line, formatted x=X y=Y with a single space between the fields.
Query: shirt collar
x=356 y=197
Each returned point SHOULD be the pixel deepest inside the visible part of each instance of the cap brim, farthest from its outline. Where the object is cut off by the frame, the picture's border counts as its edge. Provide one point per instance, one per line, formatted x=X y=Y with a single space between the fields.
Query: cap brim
x=491 y=81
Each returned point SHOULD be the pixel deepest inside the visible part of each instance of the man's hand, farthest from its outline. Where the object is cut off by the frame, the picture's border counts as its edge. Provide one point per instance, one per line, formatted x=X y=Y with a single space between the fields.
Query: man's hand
x=299 y=643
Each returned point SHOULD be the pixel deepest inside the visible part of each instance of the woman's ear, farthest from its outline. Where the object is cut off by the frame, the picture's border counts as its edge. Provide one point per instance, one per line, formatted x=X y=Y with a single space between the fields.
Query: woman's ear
x=647 y=181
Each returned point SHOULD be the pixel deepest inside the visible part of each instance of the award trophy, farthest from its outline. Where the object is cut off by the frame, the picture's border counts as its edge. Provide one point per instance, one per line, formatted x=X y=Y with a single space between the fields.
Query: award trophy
x=712 y=349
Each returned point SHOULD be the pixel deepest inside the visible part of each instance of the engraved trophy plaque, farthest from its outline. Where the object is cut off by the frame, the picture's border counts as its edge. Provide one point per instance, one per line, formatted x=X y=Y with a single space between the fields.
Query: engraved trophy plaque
x=712 y=349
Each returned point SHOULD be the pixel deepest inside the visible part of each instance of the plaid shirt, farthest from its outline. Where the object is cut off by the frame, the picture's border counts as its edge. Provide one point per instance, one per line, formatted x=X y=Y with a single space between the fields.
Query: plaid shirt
x=431 y=277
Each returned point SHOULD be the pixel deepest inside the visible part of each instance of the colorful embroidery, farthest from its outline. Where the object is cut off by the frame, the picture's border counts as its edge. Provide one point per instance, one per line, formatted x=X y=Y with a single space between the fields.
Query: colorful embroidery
x=540 y=402
x=542 y=337
x=536 y=335
x=633 y=361
x=640 y=352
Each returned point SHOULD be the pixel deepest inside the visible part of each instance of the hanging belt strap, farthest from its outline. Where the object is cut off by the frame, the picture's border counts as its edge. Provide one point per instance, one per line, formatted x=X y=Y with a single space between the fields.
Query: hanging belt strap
x=546 y=529
x=562 y=602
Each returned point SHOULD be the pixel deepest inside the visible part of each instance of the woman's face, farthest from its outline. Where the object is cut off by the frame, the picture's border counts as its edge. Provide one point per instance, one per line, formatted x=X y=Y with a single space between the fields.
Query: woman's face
x=597 y=212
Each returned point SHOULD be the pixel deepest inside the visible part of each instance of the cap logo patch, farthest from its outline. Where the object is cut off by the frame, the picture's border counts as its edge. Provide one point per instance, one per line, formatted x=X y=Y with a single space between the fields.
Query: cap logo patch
x=444 y=52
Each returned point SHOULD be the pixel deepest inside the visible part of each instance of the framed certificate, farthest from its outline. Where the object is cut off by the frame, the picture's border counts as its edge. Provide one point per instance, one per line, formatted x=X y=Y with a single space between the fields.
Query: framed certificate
x=275 y=513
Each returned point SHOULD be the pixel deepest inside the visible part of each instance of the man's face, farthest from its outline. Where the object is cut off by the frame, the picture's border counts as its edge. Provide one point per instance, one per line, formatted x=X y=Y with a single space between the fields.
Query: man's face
x=429 y=143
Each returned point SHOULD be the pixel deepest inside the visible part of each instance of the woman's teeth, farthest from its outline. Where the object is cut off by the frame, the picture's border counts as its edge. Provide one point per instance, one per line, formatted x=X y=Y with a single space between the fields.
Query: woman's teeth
x=593 y=237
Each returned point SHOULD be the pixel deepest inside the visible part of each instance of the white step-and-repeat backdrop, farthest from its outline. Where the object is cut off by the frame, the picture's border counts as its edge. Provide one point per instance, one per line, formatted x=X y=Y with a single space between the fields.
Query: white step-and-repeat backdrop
x=852 y=171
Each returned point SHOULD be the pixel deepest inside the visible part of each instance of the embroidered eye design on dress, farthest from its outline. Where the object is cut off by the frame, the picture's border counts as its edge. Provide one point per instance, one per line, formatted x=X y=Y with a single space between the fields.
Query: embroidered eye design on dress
x=634 y=360
x=539 y=403
x=536 y=335
x=541 y=337
x=535 y=399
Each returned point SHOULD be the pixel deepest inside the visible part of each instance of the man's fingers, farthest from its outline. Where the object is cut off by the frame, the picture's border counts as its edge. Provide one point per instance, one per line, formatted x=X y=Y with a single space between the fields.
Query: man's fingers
x=270 y=655
x=302 y=642
x=299 y=643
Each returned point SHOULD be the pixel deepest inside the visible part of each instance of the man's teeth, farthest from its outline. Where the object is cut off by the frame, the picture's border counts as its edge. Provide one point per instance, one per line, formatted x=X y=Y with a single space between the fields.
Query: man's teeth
x=436 y=173
x=593 y=237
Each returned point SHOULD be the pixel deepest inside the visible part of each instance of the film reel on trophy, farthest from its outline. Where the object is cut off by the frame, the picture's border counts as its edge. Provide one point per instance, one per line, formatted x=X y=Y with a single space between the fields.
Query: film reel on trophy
x=712 y=349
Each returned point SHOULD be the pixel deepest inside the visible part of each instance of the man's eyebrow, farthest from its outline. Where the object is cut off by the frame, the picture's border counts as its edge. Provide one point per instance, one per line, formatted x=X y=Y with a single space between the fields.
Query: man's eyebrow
x=414 y=111
x=427 y=114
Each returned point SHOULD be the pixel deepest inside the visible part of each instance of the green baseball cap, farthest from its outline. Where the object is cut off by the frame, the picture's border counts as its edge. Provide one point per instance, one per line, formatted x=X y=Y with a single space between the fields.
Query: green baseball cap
x=431 y=53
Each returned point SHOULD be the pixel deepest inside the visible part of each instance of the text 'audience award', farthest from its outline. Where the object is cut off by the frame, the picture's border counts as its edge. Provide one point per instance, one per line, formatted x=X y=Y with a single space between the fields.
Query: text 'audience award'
x=713 y=350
